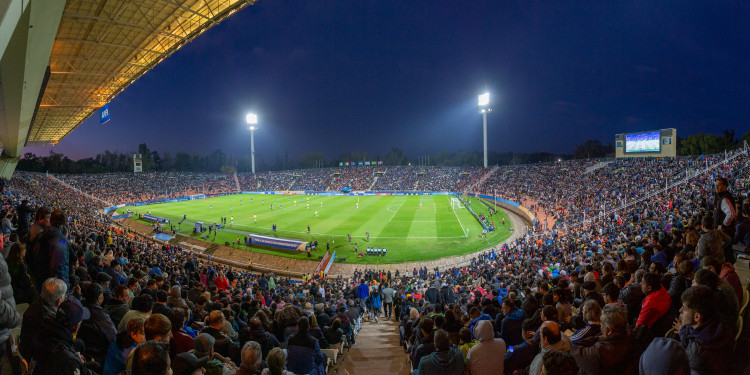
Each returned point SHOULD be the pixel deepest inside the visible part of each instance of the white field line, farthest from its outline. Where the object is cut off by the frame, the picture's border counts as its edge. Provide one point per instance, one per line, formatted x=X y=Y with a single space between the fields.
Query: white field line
x=459 y=223
x=334 y=235
x=435 y=207
x=399 y=207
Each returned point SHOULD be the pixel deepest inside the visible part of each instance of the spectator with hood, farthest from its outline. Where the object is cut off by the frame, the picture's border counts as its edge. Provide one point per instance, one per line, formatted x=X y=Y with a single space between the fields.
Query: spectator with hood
x=483 y=358
x=446 y=359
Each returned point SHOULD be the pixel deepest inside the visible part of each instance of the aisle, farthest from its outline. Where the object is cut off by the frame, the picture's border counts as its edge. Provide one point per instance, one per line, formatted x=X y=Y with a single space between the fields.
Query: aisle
x=377 y=351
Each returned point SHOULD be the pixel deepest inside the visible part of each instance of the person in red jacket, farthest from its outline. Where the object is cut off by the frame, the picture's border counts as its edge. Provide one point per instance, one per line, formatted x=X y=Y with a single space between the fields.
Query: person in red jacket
x=221 y=281
x=657 y=301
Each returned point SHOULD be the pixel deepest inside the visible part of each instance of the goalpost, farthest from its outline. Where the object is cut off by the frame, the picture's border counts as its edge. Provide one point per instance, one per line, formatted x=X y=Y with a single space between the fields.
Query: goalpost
x=456 y=203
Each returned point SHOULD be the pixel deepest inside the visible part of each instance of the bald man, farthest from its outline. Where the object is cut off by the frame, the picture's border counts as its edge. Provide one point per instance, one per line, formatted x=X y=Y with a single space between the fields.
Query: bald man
x=224 y=345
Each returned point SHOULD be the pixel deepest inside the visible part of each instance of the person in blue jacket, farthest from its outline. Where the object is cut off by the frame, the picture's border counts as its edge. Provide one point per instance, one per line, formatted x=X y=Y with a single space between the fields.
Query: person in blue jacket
x=362 y=293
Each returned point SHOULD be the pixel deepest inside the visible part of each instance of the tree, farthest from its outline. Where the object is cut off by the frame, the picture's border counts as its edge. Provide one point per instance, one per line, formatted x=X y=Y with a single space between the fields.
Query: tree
x=593 y=148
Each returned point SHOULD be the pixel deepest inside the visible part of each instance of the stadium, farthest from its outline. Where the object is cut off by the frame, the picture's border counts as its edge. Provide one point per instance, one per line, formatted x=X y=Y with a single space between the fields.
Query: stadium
x=627 y=258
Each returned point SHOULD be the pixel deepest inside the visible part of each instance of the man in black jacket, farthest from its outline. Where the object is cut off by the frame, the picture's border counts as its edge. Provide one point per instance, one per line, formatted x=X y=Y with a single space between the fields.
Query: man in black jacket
x=53 y=294
x=632 y=296
x=118 y=307
x=57 y=335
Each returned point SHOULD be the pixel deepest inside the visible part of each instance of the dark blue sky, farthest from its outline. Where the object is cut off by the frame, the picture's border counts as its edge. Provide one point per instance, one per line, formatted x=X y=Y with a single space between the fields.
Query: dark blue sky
x=339 y=76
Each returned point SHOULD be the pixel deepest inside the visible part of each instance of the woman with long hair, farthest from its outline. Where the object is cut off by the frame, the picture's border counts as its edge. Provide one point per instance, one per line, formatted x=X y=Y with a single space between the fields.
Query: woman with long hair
x=23 y=288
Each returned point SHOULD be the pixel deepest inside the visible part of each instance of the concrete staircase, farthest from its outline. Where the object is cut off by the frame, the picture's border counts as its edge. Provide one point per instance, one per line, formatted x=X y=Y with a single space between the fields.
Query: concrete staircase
x=237 y=182
x=596 y=166
x=377 y=351
x=484 y=178
x=61 y=182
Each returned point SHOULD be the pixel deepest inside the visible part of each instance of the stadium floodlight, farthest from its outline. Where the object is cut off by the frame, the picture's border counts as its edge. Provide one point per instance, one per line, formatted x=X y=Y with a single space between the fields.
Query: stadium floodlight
x=252 y=120
x=484 y=108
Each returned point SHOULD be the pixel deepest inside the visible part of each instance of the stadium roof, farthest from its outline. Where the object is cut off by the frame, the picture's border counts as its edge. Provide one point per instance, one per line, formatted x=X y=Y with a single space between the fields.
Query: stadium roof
x=103 y=46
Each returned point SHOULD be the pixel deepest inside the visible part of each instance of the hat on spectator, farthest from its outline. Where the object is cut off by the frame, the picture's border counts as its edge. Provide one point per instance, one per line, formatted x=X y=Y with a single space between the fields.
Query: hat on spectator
x=203 y=344
x=186 y=363
x=589 y=285
x=664 y=356
x=102 y=277
x=71 y=312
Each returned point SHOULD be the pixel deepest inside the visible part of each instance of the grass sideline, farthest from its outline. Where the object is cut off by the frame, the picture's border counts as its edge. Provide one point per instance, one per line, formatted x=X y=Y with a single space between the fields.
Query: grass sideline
x=412 y=227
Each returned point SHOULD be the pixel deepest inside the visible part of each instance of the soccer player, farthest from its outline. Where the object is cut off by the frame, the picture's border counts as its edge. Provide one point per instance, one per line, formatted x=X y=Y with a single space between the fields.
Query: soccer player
x=240 y=202
x=211 y=207
x=321 y=203
x=316 y=213
x=231 y=219
x=357 y=204
x=308 y=206
x=255 y=218
x=350 y=237
x=308 y=228
x=230 y=208
x=355 y=248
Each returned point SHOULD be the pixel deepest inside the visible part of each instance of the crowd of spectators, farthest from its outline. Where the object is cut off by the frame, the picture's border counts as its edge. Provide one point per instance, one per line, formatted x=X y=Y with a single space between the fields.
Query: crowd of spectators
x=635 y=275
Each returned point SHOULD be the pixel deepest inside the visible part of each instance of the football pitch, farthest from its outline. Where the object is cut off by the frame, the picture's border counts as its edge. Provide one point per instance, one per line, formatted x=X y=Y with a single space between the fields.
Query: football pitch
x=412 y=227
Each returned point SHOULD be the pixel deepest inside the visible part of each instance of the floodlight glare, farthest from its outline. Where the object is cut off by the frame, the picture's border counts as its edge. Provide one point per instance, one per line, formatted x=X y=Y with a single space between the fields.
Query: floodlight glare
x=484 y=99
x=252 y=118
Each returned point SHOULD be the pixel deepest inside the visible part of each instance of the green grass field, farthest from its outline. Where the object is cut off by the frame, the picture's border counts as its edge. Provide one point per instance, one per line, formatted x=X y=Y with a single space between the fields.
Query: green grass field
x=412 y=228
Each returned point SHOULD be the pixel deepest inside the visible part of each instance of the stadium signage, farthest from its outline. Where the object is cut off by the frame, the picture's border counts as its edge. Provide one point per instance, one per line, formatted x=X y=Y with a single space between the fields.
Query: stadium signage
x=278 y=243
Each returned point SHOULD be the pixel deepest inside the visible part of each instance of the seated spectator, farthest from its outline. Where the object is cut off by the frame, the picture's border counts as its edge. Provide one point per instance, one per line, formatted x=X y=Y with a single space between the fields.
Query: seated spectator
x=224 y=345
x=610 y=292
x=476 y=316
x=180 y=342
x=664 y=357
x=725 y=299
x=203 y=346
x=52 y=295
x=276 y=361
x=614 y=350
x=712 y=241
x=117 y=306
x=681 y=282
x=591 y=313
x=303 y=350
x=425 y=344
x=656 y=303
x=333 y=333
x=124 y=343
x=706 y=339
x=151 y=358
x=725 y=271
x=446 y=359
x=590 y=293
x=188 y=364
x=251 y=359
x=255 y=332
x=161 y=304
x=552 y=340
x=511 y=324
x=141 y=308
x=483 y=358
x=632 y=296
x=98 y=332
x=558 y=363
x=465 y=343
x=61 y=355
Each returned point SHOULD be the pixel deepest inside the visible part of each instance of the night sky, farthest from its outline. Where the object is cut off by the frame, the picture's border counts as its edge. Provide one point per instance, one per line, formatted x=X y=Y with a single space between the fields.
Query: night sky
x=339 y=76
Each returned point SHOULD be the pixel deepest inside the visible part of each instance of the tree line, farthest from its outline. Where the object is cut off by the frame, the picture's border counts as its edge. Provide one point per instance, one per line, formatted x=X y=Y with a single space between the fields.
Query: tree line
x=218 y=161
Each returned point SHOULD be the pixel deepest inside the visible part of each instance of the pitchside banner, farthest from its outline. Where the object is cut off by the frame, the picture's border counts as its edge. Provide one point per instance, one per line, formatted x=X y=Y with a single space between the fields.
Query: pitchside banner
x=279 y=243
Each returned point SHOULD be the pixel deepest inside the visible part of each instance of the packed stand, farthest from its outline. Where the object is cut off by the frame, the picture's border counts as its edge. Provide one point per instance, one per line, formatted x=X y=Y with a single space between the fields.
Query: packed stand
x=397 y=178
x=122 y=187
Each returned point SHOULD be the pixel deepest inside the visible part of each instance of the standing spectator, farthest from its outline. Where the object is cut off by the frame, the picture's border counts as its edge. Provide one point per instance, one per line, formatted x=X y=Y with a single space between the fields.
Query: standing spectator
x=387 y=294
x=9 y=317
x=712 y=241
x=23 y=289
x=706 y=340
x=613 y=352
x=24 y=218
x=51 y=253
x=362 y=293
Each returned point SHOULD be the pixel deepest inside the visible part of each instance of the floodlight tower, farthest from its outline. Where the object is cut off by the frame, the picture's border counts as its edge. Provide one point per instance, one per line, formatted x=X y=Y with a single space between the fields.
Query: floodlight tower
x=484 y=109
x=252 y=120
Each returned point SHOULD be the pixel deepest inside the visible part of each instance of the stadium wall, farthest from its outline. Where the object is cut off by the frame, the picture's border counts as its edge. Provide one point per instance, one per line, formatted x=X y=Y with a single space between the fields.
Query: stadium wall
x=520 y=211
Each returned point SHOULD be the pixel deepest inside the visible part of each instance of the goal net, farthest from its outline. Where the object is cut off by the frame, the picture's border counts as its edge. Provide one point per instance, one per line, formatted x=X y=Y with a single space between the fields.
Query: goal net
x=456 y=203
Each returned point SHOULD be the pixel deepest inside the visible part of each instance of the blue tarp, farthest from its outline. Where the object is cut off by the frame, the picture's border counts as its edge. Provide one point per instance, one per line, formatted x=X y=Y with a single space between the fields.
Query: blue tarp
x=279 y=243
x=154 y=218
x=163 y=237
